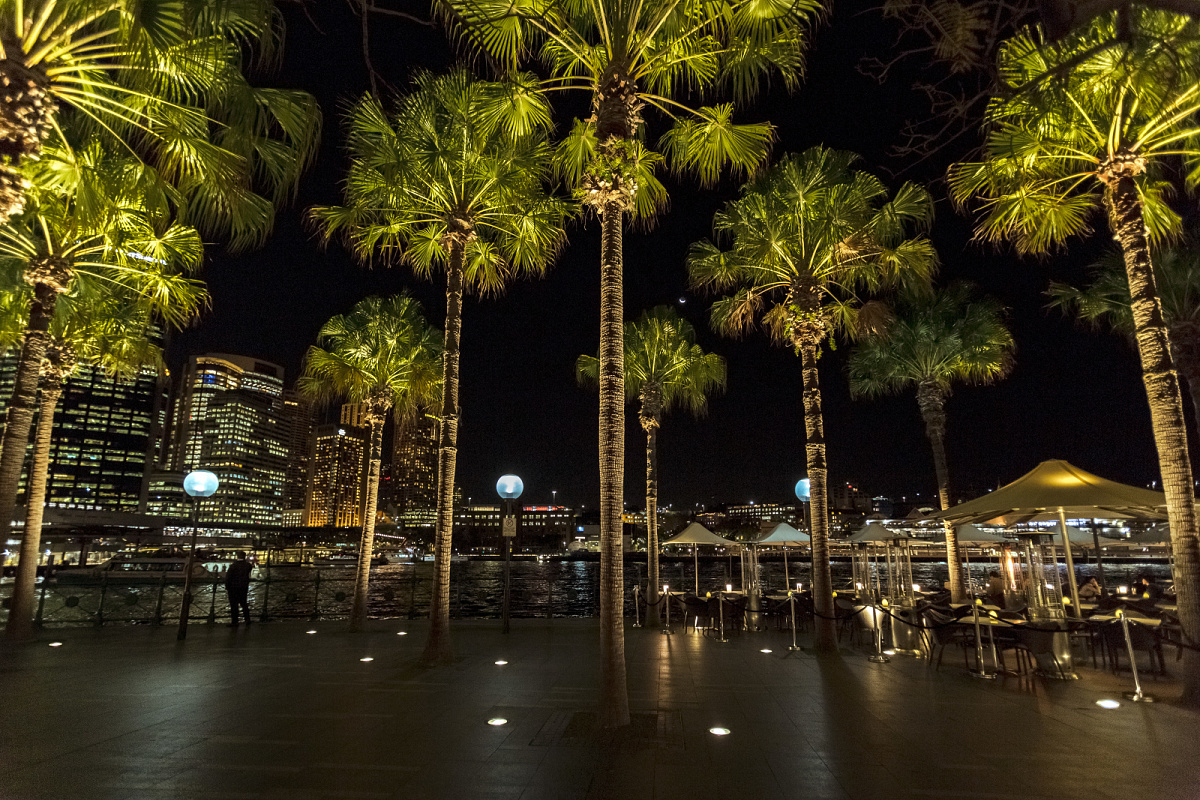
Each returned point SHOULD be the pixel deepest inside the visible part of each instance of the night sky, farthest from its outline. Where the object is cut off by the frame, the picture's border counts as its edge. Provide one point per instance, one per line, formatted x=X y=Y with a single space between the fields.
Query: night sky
x=1075 y=394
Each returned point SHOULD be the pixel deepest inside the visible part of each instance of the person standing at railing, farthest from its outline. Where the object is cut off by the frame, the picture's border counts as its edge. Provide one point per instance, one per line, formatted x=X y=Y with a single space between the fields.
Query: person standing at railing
x=237 y=586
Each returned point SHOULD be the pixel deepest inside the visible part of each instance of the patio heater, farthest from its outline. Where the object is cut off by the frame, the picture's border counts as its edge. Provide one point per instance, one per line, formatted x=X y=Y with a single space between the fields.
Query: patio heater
x=901 y=598
x=860 y=566
x=1048 y=636
x=509 y=487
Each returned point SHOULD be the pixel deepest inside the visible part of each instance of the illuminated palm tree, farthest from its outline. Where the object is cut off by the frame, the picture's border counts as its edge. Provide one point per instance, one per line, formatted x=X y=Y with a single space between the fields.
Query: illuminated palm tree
x=451 y=179
x=1088 y=128
x=627 y=56
x=105 y=332
x=933 y=342
x=94 y=222
x=384 y=356
x=805 y=240
x=664 y=368
x=1177 y=278
x=166 y=81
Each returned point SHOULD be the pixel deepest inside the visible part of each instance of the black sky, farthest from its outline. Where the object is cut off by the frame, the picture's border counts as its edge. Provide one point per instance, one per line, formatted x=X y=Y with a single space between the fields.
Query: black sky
x=1074 y=394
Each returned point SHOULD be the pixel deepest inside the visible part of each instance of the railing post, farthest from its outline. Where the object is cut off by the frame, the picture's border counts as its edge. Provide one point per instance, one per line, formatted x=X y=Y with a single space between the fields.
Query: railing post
x=266 y=592
x=41 y=605
x=549 y=596
x=212 y=604
x=103 y=594
x=412 y=596
x=162 y=585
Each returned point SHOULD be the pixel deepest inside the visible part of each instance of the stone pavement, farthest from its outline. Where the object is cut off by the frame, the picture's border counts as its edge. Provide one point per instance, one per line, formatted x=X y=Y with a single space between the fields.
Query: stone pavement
x=275 y=712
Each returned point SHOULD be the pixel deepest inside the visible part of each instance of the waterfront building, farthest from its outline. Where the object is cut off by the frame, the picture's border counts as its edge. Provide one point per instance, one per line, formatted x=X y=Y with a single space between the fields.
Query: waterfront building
x=229 y=419
x=298 y=421
x=753 y=515
x=337 y=476
x=414 y=472
x=104 y=435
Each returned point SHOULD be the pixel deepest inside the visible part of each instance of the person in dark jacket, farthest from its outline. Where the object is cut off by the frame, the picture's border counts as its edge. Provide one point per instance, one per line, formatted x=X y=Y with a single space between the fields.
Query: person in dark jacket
x=237 y=586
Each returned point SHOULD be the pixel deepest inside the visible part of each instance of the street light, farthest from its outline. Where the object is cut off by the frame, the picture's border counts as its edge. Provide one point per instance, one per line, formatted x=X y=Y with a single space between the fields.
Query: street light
x=803 y=494
x=197 y=484
x=509 y=487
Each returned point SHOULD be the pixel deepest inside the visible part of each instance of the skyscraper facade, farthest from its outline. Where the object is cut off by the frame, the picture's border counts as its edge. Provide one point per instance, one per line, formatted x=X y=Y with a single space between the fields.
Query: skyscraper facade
x=104 y=436
x=298 y=424
x=229 y=419
x=414 y=470
x=337 y=476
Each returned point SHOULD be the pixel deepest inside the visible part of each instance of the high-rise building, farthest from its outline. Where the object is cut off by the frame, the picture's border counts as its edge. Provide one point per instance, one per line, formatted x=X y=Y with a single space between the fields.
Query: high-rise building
x=414 y=470
x=229 y=419
x=337 y=476
x=298 y=423
x=104 y=436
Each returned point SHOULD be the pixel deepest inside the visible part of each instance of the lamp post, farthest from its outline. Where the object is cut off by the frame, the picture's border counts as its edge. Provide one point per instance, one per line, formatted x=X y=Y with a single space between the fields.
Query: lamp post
x=509 y=487
x=197 y=484
x=803 y=493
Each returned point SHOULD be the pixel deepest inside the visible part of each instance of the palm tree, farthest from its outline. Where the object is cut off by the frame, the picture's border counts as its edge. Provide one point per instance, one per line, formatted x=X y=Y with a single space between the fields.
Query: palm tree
x=451 y=179
x=383 y=355
x=1177 y=278
x=104 y=332
x=627 y=56
x=97 y=220
x=805 y=239
x=935 y=341
x=664 y=368
x=1096 y=122
x=167 y=83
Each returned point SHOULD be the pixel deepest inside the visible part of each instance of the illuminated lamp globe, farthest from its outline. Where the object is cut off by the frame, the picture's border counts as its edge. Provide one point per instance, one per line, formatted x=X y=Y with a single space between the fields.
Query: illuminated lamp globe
x=802 y=489
x=200 y=483
x=510 y=487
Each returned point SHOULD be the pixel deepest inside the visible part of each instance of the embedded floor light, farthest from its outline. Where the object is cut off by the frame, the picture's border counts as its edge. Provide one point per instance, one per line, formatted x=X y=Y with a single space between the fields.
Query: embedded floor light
x=310 y=632
x=496 y=722
x=765 y=650
x=719 y=731
x=56 y=644
x=367 y=658
x=501 y=663
x=402 y=633
x=1110 y=704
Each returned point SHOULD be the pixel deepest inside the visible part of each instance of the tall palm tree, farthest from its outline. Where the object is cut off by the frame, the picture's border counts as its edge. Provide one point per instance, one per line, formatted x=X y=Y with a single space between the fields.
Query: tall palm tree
x=383 y=355
x=1094 y=123
x=664 y=368
x=805 y=240
x=627 y=55
x=93 y=219
x=1177 y=278
x=104 y=332
x=933 y=342
x=452 y=178
x=166 y=81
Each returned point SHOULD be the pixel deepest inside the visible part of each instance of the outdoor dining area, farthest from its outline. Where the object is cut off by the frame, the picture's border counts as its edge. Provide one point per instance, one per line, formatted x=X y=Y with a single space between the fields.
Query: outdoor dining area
x=1032 y=616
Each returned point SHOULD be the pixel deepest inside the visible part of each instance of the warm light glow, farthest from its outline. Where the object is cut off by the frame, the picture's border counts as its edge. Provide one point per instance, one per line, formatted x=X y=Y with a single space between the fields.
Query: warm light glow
x=765 y=650
x=889 y=652
x=729 y=587
x=497 y=721
x=366 y=658
x=666 y=588
x=56 y=644
x=1110 y=704
x=799 y=587
x=916 y=587
x=501 y=663
x=1122 y=590
x=719 y=731
x=310 y=631
x=402 y=633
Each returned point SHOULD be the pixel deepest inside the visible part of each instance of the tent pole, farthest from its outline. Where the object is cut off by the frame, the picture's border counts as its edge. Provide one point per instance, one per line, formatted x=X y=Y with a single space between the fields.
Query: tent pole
x=696 y=566
x=787 y=579
x=1062 y=521
x=1099 y=559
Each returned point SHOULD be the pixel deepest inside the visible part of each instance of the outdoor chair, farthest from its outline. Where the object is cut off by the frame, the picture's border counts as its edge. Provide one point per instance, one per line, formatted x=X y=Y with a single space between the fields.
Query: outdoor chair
x=1142 y=637
x=844 y=611
x=943 y=634
x=735 y=614
x=695 y=609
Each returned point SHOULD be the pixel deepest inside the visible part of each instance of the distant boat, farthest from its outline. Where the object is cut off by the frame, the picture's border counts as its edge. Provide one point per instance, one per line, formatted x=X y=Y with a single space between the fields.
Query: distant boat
x=138 y=568
x=348 y=560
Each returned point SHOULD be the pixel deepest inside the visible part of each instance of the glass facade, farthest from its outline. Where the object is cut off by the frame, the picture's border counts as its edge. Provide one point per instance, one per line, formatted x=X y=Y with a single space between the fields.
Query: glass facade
x=337 y=478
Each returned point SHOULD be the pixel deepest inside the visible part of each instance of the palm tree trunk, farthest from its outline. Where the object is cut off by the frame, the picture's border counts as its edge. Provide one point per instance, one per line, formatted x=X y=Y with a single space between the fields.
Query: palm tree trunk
x=20 y=614
x=19 y=417
x=438 y=648
x=652 y=614
x=614 y=694
x=366 y=545
x=931 y=399
x=825 y=637
x=1166 y=417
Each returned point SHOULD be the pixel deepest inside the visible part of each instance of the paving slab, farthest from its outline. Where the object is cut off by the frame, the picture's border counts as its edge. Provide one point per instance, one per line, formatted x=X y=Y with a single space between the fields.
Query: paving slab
x=276 y=712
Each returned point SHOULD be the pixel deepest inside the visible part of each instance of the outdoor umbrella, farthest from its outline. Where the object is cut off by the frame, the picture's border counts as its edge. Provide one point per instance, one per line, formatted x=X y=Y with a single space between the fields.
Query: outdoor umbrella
x=697 y=535
x=1056 y=490
x=786 y=536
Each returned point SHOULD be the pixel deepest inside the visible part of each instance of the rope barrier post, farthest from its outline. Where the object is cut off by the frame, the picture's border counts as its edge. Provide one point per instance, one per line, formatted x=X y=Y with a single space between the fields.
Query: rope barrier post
x=878 y=657
x=637 y=616
x=721 y=614
x=1136 y=695
x=792 y=603
x=981 y=670
x=666 y=598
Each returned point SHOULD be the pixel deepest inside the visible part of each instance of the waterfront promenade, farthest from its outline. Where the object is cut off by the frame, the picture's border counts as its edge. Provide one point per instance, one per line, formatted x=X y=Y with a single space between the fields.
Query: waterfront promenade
x=275 y=712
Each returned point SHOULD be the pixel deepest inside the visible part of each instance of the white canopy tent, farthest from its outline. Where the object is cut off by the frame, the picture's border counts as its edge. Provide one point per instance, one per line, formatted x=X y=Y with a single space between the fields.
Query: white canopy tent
x=784 y=535
x=698 y=536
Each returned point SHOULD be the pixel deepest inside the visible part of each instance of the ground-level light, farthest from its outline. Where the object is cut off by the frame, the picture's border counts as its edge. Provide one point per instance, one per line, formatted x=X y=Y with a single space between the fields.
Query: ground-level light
x=719 y=731
x=496 y=722
x=1110 y=704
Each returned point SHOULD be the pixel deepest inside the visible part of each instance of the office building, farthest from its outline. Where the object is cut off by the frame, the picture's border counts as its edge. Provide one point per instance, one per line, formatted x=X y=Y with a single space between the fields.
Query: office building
x=298 y=420
x=229 y=419
x=414 y=471
x=104 y=436
x=337 y=476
